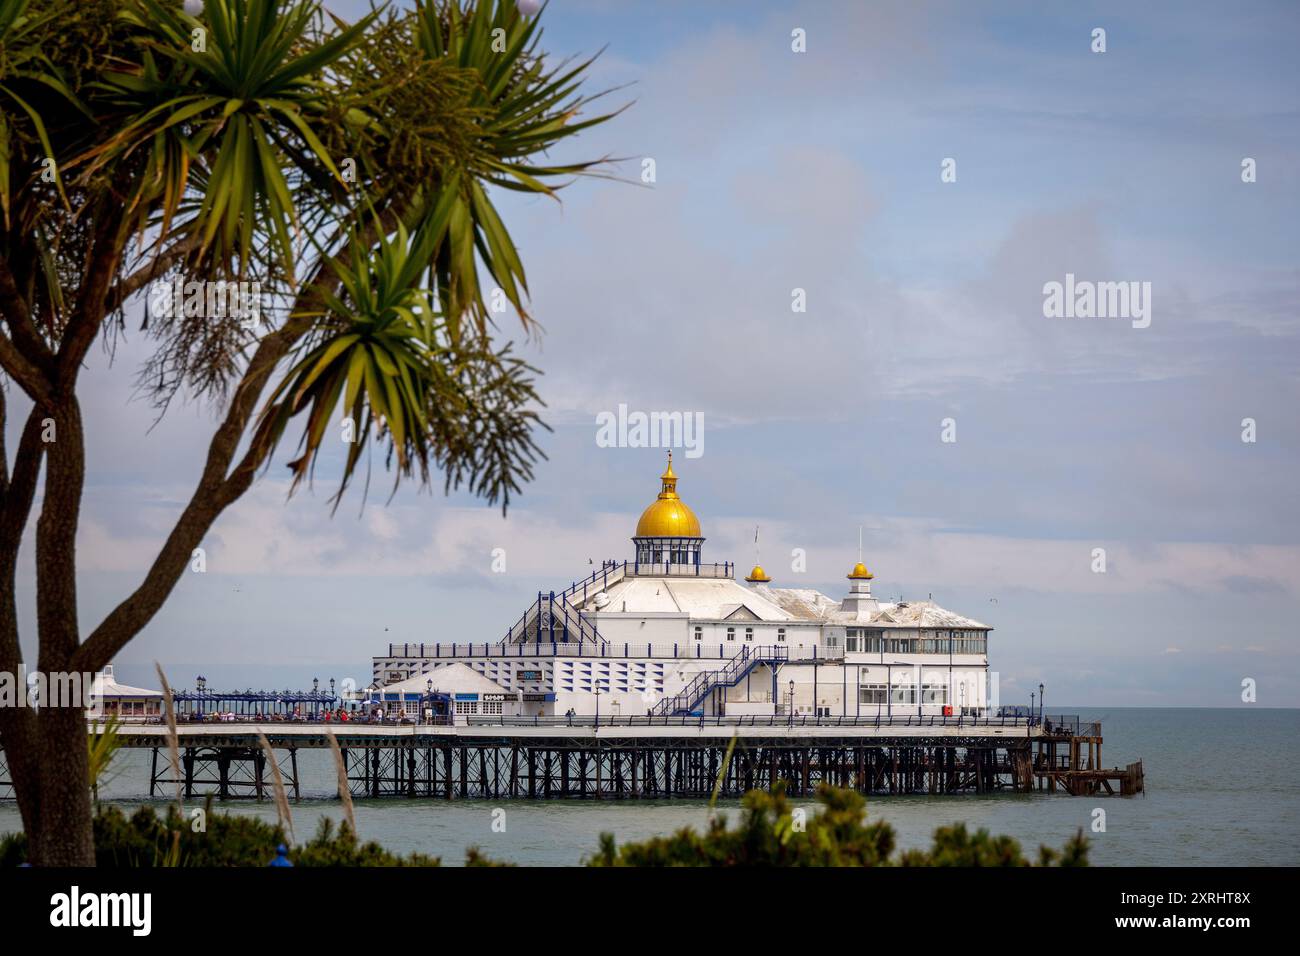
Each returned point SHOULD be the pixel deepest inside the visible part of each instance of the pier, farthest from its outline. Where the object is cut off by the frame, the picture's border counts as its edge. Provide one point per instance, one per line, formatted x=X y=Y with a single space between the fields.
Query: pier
x=641 y=757
x=1067 y=758
x=631 y=758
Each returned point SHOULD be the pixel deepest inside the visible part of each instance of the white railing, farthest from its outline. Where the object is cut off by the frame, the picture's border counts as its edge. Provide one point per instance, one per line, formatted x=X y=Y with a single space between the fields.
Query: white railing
x=686 y=650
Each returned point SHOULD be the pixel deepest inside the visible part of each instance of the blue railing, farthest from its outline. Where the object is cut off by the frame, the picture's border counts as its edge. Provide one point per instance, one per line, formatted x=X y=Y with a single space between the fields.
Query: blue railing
x=735 y=670
x=609 y=572
x=531 y=622
x=683 y=650
x=747 y=720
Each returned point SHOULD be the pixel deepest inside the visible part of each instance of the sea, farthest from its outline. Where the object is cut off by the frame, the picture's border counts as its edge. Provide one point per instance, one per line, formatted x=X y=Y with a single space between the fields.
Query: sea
x=1222 y=789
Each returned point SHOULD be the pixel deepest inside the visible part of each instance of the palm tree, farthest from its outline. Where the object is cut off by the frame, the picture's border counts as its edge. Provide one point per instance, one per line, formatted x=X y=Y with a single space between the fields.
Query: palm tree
x=336 y=180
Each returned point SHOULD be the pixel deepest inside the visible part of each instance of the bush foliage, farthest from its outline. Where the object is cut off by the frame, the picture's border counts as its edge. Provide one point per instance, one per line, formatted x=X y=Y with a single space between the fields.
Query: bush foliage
x=146 y=839
x=772 y=832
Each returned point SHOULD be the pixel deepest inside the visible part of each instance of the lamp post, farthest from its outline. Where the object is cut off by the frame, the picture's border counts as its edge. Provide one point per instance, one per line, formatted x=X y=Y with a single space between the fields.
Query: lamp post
x=596 y=685
x=1032 y=707
x=790 y=705
x=962 y=712
x=1040 y=703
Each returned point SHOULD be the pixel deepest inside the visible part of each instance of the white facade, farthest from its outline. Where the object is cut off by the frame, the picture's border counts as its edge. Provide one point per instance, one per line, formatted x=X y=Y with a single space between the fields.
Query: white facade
x=631 y=638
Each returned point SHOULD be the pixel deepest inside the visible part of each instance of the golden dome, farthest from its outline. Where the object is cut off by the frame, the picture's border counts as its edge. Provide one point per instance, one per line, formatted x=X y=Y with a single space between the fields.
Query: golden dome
x=758 y=575
x=668 y=516
x=860 y=573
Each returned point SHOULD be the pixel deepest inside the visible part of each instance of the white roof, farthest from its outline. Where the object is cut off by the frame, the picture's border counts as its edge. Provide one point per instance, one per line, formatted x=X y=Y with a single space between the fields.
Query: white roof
x=713 y=599
x=924 y=614
x=106 y=686
x=806 y=604
x=717 y=599
x=810 y=604
x=450 y=679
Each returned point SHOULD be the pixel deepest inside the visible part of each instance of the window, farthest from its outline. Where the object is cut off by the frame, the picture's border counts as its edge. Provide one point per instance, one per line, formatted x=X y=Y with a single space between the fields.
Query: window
x=780 y=634
x=872 y=694
x=853 y=641
x=904 y=694
x=934 y=694
x=731 y=633
x=492 y=707
x=832 y=639
x=749 y=633
x=699 y=633
x=467 y=707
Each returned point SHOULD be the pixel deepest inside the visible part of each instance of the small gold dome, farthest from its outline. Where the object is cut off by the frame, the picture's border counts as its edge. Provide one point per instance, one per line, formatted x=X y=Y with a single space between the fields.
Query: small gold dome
x=758 y=575
x=860 y=573
x=668 y=516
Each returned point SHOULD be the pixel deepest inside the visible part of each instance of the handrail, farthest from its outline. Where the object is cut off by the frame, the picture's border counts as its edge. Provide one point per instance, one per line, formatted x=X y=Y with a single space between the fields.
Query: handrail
x=744 y=720
x=630 y=720
x=607 y=569
x=682 y=650
x=585 y=629
x=727 y=676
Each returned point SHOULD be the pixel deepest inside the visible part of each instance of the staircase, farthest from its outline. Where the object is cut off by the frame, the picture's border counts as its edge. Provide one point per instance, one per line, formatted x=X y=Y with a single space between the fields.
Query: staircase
x=553 y=618
x=705 y=683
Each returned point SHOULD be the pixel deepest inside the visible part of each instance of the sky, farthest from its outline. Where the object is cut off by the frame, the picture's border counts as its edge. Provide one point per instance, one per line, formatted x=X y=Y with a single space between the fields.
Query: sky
x=778 y=170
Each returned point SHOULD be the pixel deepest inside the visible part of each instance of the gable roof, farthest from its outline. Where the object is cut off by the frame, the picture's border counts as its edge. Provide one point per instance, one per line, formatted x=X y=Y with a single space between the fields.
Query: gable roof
x=106 y=686
x=710 y=599
x=455 y=678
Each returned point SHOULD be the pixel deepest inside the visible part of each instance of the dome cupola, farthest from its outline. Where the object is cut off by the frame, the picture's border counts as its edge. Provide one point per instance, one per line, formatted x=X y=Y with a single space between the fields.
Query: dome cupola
x=668 y=516
x=859 y=601
x=668 y=532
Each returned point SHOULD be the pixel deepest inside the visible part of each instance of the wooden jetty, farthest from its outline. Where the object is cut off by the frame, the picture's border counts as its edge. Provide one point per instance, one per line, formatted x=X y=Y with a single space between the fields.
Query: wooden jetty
x=1067 y=758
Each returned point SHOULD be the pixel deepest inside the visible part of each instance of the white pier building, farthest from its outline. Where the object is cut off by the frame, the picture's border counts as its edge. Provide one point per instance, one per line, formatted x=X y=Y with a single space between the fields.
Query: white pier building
x=668 y=634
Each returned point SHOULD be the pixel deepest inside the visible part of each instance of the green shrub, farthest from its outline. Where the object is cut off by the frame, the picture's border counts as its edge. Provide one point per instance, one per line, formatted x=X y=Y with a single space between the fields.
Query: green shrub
x=770 y=834
x=145 y=839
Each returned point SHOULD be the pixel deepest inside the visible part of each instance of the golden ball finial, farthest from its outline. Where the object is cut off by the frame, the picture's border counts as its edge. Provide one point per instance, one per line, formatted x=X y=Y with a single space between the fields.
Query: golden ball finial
x=860 y=573
x=758 y=576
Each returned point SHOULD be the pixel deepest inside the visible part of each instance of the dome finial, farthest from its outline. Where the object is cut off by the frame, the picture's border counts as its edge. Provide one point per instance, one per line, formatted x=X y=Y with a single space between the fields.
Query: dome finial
x=758 y=575
x=860 y=572
x=668 y=516
x=669 y=478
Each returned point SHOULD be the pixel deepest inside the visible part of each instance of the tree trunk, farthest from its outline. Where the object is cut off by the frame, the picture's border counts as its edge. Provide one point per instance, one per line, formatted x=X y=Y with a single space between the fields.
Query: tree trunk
x=62 y=835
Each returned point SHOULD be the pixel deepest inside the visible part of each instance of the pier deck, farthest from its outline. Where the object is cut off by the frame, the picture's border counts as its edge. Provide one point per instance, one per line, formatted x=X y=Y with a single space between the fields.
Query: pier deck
x=1070 y=761
x=628 y=758
x=638 y=757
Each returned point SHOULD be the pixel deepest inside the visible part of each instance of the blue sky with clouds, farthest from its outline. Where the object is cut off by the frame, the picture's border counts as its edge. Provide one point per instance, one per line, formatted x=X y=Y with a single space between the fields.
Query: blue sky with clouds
x=820 y=171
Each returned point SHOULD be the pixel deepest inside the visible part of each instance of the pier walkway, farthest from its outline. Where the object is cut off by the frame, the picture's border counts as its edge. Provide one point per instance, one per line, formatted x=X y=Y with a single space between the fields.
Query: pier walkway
x=636 y=757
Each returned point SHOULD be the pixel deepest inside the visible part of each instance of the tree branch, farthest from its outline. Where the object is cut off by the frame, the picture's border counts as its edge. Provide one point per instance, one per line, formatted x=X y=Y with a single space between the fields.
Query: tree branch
x=17 y=724
x=158 y=265
x=102 y=261
x=215 y=492
x=18 y=316
x=219 y=486
x=29 y=378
